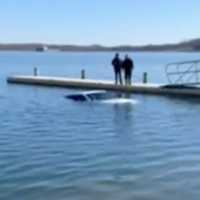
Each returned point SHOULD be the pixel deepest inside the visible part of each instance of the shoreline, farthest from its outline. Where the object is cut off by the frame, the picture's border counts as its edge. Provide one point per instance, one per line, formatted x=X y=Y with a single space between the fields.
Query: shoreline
x=106 y=51
x=186 y=46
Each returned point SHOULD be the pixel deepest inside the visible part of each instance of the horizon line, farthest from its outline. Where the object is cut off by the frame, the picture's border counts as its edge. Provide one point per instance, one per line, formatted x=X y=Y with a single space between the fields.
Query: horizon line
x=95 y=44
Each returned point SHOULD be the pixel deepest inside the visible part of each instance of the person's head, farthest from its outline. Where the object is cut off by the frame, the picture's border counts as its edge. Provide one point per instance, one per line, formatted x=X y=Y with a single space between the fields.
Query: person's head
x=117 y=55
x=126 y=56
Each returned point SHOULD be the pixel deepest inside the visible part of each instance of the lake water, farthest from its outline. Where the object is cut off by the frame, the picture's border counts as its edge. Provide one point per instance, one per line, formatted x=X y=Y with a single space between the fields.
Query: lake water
x=52 y=148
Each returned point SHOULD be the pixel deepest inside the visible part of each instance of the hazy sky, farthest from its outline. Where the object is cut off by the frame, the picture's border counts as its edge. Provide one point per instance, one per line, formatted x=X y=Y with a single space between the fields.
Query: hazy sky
x=108 y=22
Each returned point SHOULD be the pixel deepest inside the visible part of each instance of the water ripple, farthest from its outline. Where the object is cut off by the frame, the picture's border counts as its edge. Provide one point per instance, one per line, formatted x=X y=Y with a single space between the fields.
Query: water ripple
x=51 y=148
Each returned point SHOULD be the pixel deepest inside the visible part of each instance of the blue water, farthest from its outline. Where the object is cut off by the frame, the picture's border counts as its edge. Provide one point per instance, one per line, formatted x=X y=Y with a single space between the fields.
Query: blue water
x=52 y=148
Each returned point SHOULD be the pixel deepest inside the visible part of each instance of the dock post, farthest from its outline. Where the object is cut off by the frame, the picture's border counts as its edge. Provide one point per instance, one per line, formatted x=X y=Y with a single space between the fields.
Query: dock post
x=145 y=80
x=35 y=71
x=82 y=74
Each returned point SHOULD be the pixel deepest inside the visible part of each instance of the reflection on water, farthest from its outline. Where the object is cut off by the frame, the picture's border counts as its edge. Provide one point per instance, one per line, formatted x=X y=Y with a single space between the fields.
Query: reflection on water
x=123 y=122
x=179 y=99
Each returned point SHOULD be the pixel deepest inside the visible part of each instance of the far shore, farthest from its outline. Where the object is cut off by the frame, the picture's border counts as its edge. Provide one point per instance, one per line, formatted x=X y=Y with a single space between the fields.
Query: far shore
x=186 y=46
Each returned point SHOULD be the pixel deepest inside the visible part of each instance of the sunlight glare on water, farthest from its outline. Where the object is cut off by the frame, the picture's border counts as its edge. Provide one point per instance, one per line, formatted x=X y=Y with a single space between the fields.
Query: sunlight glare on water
x=120 y=101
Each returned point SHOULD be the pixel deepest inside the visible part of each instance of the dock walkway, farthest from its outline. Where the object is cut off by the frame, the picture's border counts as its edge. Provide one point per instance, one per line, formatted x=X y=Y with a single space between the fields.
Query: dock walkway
x=86 y=84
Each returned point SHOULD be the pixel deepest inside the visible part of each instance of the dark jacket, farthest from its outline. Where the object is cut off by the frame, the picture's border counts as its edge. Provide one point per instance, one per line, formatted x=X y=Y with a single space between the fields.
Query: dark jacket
x=128 y=65
x=116 y=62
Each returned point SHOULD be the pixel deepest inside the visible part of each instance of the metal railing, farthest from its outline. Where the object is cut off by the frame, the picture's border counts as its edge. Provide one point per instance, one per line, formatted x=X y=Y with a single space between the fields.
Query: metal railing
x=183 y=73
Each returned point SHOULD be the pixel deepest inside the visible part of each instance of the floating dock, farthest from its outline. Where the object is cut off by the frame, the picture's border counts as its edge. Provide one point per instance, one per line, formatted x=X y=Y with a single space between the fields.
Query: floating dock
x=86 y=84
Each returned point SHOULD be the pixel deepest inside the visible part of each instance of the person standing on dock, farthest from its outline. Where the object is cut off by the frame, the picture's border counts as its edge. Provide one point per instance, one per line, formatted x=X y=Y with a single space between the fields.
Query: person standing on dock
x=128 y=66
x=117 y=64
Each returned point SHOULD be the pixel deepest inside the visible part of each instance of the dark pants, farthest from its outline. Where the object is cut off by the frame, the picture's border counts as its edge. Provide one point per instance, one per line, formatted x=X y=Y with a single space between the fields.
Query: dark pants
x=118 y=77
x=128 y=77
